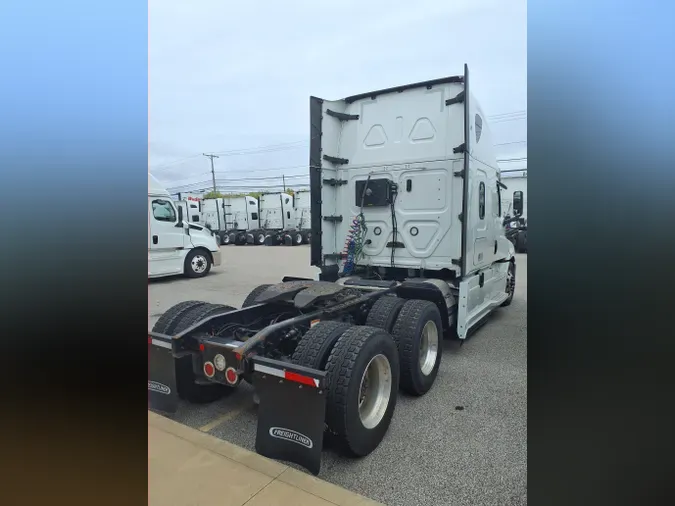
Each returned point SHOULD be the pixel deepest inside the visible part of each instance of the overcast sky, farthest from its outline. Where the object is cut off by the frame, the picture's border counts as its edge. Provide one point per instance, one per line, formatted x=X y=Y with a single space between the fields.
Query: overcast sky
x=230 y=76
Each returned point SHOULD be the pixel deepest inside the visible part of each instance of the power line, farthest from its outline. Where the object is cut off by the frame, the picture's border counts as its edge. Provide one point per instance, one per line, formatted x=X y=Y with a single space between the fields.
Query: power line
x=509 y=143
x=495 y=116
x=521 y=159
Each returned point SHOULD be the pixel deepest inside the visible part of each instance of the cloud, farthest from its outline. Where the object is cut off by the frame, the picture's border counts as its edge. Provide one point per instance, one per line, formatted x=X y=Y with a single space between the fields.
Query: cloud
x=227 y=75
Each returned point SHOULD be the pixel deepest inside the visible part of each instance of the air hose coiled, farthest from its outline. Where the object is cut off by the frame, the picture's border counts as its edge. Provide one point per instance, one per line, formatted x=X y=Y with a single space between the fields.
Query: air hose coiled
x=353 y=249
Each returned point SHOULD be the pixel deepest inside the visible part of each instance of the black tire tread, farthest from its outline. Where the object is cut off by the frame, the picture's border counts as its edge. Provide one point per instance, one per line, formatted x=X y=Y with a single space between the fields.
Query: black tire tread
x=199 y=313
x=384 y=312
x=251 y=297
x=168 y=321
x=508 y=301
x=404 y=334
x=339 y=368
x=315 y=346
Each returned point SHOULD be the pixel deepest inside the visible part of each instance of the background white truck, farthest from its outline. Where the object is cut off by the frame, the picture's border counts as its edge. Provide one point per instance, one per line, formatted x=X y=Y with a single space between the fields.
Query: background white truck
x=176 y=246
x=301 y=231
x=275 y=211
x=231 y=217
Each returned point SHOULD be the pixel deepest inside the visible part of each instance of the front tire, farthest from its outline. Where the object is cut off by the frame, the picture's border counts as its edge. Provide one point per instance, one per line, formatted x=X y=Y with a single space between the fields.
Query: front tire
x=362 y=382
x=197 y=263
x=418 y=332
x=510 y=284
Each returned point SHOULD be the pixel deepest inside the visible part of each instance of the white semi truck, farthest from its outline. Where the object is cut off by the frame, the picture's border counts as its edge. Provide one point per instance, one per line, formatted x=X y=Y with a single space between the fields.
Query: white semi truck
x=301 y=233
x=410 y=248
x=276 y=216
x=231 y=217
x=176 y=246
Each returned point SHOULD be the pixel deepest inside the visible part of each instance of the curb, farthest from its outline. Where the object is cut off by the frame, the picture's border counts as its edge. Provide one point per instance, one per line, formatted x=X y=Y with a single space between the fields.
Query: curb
x=270 y=468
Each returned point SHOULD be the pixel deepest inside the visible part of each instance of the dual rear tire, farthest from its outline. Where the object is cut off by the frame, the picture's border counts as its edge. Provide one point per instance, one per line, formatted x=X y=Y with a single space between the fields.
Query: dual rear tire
x=178 y=319
x=398 y=347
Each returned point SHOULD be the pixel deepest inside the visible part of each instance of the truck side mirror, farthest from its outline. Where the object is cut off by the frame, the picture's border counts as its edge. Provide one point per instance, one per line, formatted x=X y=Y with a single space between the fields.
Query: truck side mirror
x=517 y=203
x=180 y=217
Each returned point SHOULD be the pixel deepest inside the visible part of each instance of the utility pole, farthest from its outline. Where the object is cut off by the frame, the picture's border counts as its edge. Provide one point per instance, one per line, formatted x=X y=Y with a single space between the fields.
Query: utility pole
x=213 y=171
x=283 y=178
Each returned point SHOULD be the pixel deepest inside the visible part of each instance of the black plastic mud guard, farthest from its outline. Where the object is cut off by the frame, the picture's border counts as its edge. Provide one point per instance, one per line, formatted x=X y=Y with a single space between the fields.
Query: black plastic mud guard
x=292 y=412
x=162 y=392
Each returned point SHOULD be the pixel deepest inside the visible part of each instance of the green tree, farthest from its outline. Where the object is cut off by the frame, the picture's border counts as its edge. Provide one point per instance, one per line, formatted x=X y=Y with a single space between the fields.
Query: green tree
x=213 y=195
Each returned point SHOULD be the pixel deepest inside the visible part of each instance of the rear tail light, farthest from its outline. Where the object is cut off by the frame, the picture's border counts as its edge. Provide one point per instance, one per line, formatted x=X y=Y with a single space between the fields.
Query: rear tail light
x=209 y=369
x=231 y=375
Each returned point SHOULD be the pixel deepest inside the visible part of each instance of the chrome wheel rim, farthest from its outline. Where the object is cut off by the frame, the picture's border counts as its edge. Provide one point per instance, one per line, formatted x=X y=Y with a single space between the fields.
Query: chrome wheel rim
x=428 y=348
x=298 y=239
x=199 y=264
x=374 y=391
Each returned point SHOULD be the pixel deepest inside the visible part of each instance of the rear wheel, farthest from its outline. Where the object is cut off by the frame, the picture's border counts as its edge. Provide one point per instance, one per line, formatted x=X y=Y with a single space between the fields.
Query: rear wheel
x=259 y=238
x=199 y=313
x=297 y=239
x=172 y=316
x=251 y=297
x=306 y=237
x=418 y=331
x=188 y=388
x=384 y=312
x=315 y=346
x=225 y=239
x=361 y=382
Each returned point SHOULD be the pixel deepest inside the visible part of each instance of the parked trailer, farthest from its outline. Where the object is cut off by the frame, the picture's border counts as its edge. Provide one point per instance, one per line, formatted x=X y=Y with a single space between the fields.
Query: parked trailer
x=231 y=218
x=276 y=215
x=425 y=258
x=302 y=232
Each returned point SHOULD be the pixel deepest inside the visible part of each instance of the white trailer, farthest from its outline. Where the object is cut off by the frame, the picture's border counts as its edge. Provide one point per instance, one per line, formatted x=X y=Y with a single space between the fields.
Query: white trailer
x=276 y=215
x=176 y=246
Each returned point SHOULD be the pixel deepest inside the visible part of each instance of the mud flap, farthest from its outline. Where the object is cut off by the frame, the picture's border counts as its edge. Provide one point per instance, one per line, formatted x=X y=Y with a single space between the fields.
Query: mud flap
x=162 y=392
x=292 y=412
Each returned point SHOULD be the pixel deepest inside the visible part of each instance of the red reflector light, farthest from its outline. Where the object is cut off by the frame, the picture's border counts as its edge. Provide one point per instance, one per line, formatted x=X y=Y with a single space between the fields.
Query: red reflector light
x=299 y=378
x=149 y=340
x=237 y=356
x=231 y=375
x=201 y=347
x=209 y=369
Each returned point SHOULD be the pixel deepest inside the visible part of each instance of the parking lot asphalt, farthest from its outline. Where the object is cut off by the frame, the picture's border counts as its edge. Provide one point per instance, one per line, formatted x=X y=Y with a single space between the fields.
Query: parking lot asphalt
x=463 y=443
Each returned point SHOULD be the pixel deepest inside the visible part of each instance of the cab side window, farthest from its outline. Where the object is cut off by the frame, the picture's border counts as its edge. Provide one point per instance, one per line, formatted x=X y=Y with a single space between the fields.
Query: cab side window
x=162 y=210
